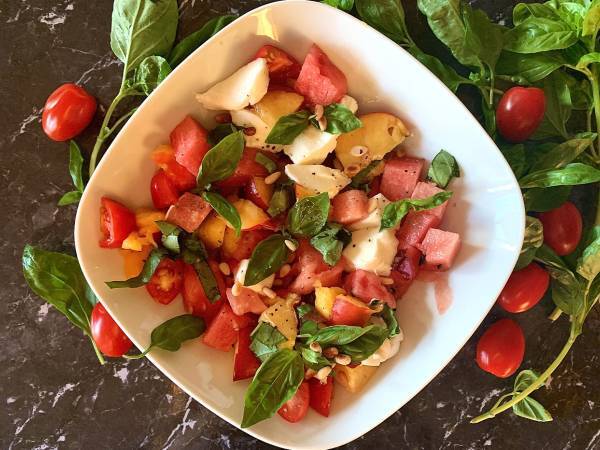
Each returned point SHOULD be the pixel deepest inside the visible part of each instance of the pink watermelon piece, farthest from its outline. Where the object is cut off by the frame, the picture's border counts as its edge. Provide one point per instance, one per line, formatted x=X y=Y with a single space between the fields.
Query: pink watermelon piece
x=415 y=227
x=400 y=176
x=440 y=249
x=425 y=190
x=320 y=81
x=247 y=301
x=349 y=206
x=189 y=212
x=189 y=140
x=366 y=286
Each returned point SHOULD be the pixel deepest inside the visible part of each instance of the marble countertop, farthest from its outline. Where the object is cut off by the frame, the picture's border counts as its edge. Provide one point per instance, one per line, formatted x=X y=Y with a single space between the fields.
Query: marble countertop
x=53 y=392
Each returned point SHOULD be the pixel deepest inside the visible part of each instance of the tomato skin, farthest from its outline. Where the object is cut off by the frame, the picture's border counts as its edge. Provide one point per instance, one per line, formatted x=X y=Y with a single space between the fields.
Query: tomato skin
x=107 y=335
x=520 y=112
x=67 y=112
x=321 y=395
x=296 y=407
x=562 y=228
x=166 y=281
x=116 y=222
x=180 y=177
x=162 y=190
x=195 y=300
x=245 y=170
x=281 y=65
x=501 y=349
x=524 y=289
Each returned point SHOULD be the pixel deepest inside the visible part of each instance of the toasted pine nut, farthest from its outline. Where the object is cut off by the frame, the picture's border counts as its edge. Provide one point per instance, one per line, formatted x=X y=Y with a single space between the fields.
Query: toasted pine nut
x=323 y=373
x=269 y=292
x=315 y=347
x=318 y=111
x=289 y=244
x=330 y=352
x=224 y=268
x=386 y=280
x=309 y=374
x=358 y=150
x=285 y=269
x=343 y=360
x=272 y=178
x=236 y=290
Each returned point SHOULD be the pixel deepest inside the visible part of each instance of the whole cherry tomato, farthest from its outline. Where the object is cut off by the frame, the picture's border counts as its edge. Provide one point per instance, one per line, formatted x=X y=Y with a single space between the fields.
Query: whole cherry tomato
x=116 y=222
x=562 y=228
x=107 y=335
x=524 y=289
x=166 y=281
x=501 y=348
x=520 y=112
x=296 y=407
x=67 y=112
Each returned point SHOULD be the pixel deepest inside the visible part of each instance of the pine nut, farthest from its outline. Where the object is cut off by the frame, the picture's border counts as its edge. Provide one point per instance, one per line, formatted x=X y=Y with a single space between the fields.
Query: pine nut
x=224 y=268
x=358 y=150
x=285 y=269
x=269 y=292
x=315 y=347
x=323 y=373
x=343 y=360
x=330 y=352
x=386 y=280
x=272 y=178
x=289 y=244
x=236 y=289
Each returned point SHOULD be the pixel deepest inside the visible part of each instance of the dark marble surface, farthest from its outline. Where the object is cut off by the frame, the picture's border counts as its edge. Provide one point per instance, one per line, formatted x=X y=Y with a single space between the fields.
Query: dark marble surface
x=54 y=394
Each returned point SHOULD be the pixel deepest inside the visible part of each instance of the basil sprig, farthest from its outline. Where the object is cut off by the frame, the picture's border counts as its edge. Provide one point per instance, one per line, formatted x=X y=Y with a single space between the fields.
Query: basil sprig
x=265 y=340
x=221 y=160
x=312 y=359
x=275 y=382
x=330 y=242
x=194 y=253
x=170 y=235
x=171 y=334
x=75 y=170
x=288 y=128
x=443 y=169
x=309 y=215
x=225 y=209
x=393 y=213
x=528 y=408
x=267 y=258
x=389 y=316
x=154 y=259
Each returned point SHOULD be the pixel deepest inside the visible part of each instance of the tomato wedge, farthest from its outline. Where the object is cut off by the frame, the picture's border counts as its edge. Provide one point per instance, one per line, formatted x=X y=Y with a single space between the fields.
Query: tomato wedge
x=281 y=65
x=116 y=222
x=321 y=395
x=166 y=281
x=182 y=179
x=162 y=190
x=245 y=362
x=296 y=407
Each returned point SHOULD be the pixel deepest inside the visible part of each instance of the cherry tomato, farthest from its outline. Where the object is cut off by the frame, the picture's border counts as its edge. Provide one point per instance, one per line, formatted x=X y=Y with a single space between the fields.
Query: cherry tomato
x=116 y=222
x=520 y=112
x=524 y=289
x=501 y=348
x=281 y=65
x=562 y=228
x=166 y=281
x=296 y=407
x=107 y=335
x=162 y=190
x=67 y=112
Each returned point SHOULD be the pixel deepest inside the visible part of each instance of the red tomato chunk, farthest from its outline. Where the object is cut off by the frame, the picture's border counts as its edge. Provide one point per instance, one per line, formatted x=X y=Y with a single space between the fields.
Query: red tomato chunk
x=245 y=362
x=166 y=281
x=296 y=407
x=311 y=268
x=116 y=222
x=281 y=65
x=162 y=190
x=321 y=395
x=405 y=269
x=195 y=300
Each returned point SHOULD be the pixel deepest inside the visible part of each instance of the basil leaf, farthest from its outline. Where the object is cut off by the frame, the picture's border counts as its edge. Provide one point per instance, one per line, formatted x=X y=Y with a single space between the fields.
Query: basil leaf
x=265 y=340
x=394 y=212
x=193 y=248
x=389 y=316
x=267 y=258
x=365 y=345
x=75 y=165
x=221 y=160
x=539 y=34
x=150 y=266
x=337 y=335
x=524 y=11
x=275 y=382
x=191 y=42
x=386 y=16
x=533 y=239
x=445 y=73
x=280 y=201
x=529 y=68
x=564 y=153
x=515 y=157
x=150 y=73
x=586 y=60
x=220 y=132
x=340 y=119
x=70 y=198
x=266 y=162
x=307 y=329
x=57 y=278
x=344 y=5
x=362 y=177
x=170 y=235
x=288 y=128
x=591 y=21
x=142 y=28
x=304 y=309
x=225 y=209
x=588 y=264
x=171 y=334
x=313 y=359
x=443 y=168
x=570 y=175
x=309 y=215
x=558 y=107
x=593 y=294
x=330 y=242
x=194 y=253
x=545 y=199
x=528 y=407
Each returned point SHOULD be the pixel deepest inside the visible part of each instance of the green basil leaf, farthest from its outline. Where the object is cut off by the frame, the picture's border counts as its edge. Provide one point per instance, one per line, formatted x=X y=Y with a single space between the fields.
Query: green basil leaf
x=558 y=102
x=570 y=175
x=191 y=42
x=489 y=117
x=266 y=162
x=394 y=212
x=288 y=128
x=533 y=239
x=386 y=16
x=150 y=73
x=313 y=359
x=220 y=132
x=57 y=278
x=365 y=345
x=340 y=119
x=588 y=264
x=280 y=201
x=515 y=157
x=586 y=60
x=571 y=12
x=142 y=28
x=389 y=316
x=304 y=309
x=171 y=334
x=344 y=5
x=193 y=248
x=528 y=407
x=524 y=11
x=538 y=34
x=207 y=279
x=330 y=242
x=593 y=294
x=221 y=160
x=591 y=21
x=170 y=235
x=75 y=165
x=267 y=258
x=443 y=168
x=225 y=209
x=150 y=266
x=337 y=335
x=275 y=382
x=564 y=153
x=483 y=36
x=545 y=199
x=529 y=68
x=307 y=329
x=70 y=198
x=309 y=215
x=445 y=73
x=362 y=177
x=265 y=340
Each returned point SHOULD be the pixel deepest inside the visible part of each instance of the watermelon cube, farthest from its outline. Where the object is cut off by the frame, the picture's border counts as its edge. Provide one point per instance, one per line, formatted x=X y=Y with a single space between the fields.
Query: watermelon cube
x=320 y=81
x=414 y=228
x=366 y=286
x=440 y=248
x=349 y=206
x=425 y=190
x=189 y=139
x=400 y=176
x=222 y=333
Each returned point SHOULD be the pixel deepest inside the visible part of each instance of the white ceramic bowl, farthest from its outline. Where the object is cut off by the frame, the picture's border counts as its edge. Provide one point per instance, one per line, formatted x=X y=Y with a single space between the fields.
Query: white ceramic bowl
x=487 y=211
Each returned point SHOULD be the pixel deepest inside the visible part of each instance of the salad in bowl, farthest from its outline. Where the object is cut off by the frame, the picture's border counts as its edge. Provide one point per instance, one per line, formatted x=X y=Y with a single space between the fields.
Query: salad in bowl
x=289 y=231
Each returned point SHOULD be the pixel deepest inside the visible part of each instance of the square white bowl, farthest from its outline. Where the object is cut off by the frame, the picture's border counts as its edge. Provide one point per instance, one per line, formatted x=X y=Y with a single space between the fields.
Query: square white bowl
x=487 y=210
